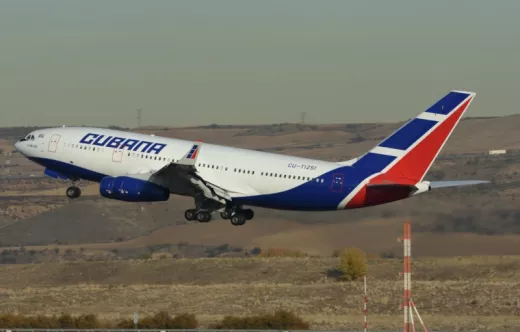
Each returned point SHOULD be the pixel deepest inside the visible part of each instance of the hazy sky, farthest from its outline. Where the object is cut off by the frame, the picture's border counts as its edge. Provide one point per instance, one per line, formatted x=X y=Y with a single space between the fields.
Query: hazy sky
x=258 y=61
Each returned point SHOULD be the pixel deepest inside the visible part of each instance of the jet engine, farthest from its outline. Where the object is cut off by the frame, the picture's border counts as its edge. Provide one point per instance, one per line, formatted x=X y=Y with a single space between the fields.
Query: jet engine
x=128 y=189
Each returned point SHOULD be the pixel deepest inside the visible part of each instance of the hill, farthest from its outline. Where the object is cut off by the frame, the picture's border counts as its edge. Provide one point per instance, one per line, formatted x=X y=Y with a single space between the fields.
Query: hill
x=33 y=211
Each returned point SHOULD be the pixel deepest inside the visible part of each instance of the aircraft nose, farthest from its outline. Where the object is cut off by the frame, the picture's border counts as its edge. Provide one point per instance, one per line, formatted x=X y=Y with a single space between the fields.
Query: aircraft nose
x=18 y=146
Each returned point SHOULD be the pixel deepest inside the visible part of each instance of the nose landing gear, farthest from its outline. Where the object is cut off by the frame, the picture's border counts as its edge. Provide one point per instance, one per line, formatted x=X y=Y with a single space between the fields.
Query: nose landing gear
x=73 y=192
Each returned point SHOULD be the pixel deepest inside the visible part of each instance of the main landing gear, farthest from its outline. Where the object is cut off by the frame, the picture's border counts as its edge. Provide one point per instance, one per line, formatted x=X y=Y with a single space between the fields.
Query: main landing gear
x=200 y=216
x=73 y=192
x=237 y=217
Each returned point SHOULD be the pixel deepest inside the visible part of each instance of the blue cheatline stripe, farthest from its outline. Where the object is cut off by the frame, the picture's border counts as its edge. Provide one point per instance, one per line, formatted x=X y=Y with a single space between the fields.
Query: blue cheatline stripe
x=448 y=103
x=374 y=162
x=408 y=134
x=68 y=170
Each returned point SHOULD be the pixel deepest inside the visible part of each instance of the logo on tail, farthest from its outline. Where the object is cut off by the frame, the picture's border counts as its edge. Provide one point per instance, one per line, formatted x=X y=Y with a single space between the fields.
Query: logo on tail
x=405 y=157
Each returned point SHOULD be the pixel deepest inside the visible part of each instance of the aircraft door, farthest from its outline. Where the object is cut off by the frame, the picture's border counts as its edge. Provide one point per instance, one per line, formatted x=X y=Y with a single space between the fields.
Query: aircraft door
x=117 y=155
x=53 y=143
x=337 y=183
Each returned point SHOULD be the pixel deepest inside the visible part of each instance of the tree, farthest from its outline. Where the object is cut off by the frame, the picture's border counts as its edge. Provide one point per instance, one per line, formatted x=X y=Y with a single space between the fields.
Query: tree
x=353 y=264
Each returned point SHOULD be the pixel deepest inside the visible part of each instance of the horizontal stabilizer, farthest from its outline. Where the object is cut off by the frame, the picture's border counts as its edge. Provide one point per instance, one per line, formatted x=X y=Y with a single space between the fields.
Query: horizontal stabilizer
x=456 y=183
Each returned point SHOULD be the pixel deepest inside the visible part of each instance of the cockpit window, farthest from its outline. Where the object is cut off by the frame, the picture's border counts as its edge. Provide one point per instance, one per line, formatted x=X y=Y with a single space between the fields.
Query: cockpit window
x=41 y=135
x=28 y=138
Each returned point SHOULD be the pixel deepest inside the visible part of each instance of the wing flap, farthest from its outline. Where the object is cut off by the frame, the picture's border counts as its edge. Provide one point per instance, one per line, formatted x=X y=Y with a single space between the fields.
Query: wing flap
x=185 y=170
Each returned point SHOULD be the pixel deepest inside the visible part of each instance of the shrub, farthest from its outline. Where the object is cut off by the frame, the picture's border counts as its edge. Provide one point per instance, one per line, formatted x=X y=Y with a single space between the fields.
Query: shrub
x=162 y=320
x=279 y=252
x=184 y=321
x=280 y=320
x=353 y=264
x=49 y=322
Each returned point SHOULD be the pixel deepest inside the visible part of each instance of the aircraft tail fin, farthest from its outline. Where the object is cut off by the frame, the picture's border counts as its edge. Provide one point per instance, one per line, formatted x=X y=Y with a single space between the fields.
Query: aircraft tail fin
x=406 y=155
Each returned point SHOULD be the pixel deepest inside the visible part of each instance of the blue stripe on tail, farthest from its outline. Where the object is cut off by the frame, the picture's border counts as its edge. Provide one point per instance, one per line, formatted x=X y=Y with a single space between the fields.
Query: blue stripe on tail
x=408 y=134
x=374 y=162
x=448 y=103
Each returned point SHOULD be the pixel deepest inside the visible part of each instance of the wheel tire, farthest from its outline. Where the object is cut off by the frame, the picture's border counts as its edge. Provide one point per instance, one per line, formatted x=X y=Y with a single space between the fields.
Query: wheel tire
x=225 y=215
x=73 y=192
x=203 y=216
x=208 y=216
x=249 y=214
x=238 y=219
x=190 y=215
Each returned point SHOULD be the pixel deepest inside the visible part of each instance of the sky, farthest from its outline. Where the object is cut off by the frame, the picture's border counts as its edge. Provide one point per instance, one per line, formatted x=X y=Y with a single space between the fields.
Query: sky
x=197 y=62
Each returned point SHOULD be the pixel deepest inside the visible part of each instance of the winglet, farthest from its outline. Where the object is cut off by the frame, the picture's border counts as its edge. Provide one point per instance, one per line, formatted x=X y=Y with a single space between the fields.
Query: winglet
x=190 y=158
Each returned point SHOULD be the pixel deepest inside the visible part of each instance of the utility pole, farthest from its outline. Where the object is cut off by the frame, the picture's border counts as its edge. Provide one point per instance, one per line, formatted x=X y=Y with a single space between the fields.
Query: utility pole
x=139 y=113
x=303 y=117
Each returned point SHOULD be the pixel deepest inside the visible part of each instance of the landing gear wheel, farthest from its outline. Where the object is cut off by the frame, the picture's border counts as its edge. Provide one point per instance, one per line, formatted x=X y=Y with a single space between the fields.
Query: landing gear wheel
x=249 y=214
x=203 y=216
x=225 y=215
x=73 y=192
x=190 y=214
x=238 y=219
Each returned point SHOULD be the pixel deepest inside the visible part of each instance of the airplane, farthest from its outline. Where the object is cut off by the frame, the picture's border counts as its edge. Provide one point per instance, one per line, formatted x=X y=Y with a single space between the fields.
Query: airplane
x=134 y=167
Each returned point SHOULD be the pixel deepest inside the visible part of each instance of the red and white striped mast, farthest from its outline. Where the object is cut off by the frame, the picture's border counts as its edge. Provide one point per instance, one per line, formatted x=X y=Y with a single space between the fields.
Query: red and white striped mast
x=407 y=278
x=408 y=303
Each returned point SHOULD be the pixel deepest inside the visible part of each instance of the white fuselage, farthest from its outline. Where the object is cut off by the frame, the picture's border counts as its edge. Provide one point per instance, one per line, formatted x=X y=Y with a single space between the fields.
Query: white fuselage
x=241 y=171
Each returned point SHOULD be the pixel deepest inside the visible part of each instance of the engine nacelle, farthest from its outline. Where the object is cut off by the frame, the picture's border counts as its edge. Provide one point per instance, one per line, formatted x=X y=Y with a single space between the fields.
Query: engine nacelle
x=128 y=189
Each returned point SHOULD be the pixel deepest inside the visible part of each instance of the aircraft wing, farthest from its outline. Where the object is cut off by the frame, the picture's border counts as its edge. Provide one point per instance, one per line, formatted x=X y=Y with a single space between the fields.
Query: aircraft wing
x=184 y=173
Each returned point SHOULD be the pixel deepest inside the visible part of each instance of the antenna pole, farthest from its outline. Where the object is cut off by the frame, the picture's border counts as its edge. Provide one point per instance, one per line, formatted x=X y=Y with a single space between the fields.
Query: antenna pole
x=139 y=111
x=365 y=325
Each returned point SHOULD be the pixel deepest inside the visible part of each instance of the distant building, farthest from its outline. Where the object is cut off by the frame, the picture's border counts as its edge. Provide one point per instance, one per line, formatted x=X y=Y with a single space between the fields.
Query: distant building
x=497 y=152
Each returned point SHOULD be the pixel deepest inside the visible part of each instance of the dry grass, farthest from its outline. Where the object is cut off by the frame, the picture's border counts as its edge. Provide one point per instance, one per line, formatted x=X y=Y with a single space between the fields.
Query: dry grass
x=450 y=293
x=59 y=190
x=326 y=301
x=23 y=211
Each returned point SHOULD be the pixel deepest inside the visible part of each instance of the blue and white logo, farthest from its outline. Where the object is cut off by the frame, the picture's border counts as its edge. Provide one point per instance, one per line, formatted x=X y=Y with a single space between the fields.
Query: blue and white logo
x=122 y=143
